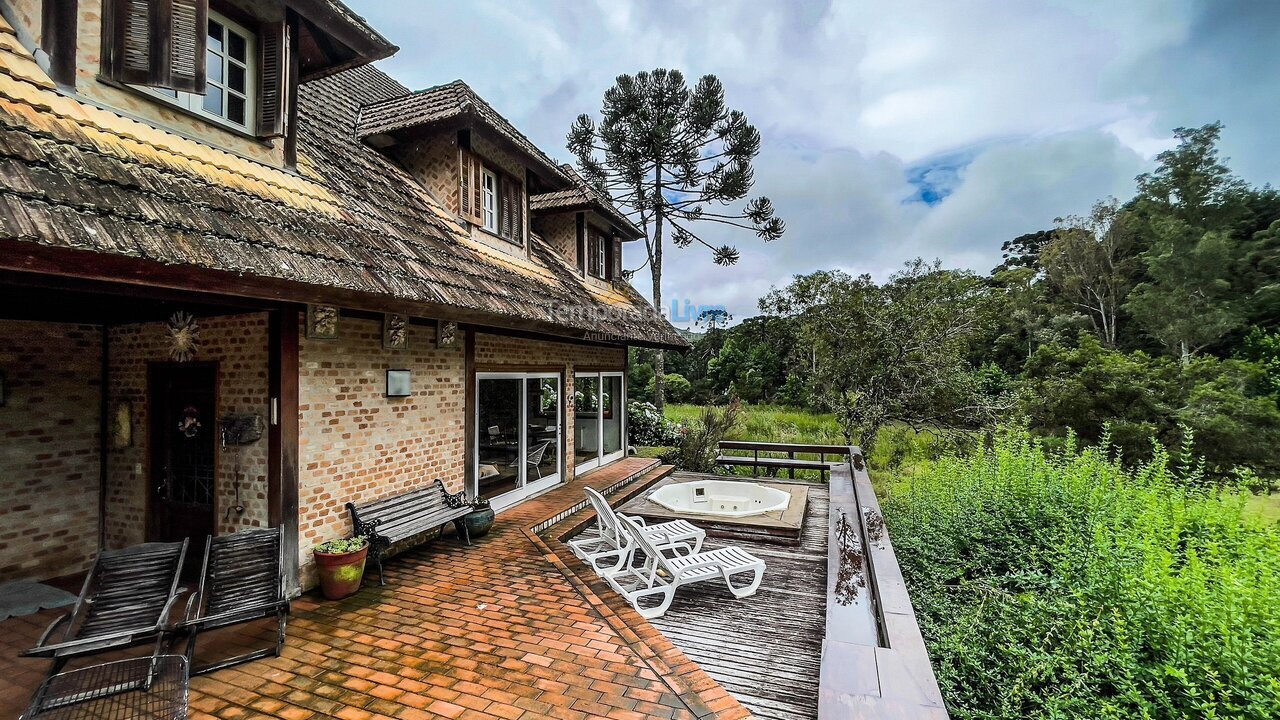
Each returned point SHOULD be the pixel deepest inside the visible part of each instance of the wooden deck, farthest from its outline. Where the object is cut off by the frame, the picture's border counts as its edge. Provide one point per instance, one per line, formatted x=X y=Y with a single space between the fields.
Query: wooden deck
x=765 y=650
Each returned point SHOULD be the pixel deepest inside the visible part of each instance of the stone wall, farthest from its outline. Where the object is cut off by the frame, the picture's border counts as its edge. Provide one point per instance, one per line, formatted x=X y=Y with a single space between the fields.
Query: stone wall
x=49 y=469
x=238 y=344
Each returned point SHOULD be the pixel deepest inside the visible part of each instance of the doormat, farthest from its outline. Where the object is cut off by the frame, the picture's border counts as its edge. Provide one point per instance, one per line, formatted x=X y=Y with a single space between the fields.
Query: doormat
x=25 y=598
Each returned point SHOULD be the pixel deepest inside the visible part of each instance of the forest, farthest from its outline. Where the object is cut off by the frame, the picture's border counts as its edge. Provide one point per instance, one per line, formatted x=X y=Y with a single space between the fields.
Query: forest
x=1075 y=452
x=1152 y=322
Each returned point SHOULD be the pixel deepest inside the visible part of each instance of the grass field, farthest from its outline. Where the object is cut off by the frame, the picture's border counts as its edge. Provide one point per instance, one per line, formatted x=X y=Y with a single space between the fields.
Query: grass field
x=774 y=423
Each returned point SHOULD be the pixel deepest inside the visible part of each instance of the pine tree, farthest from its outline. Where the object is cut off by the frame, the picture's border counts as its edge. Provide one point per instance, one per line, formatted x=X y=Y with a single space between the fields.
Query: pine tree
x=672 y=157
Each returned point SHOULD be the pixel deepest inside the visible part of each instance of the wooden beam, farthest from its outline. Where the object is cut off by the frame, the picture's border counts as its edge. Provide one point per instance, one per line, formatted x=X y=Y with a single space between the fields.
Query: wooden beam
x=292 y=74
x=58 y=25
x=469 y=408
x=28 y=257
x=282 y=433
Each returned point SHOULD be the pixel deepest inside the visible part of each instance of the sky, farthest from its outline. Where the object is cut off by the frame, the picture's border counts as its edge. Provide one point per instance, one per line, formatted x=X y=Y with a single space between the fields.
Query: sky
x=890 y=130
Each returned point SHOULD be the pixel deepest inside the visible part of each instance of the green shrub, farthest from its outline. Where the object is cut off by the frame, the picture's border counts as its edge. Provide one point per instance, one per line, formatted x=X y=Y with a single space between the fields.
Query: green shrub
x=647 y=427
x=698 y=446
x=1061 y=585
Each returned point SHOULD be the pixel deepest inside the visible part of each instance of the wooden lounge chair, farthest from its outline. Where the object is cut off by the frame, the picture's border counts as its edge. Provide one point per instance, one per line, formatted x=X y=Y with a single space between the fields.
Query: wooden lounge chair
x=125 y=601
x=659 y=576
x=242 y=581
x=612 y=549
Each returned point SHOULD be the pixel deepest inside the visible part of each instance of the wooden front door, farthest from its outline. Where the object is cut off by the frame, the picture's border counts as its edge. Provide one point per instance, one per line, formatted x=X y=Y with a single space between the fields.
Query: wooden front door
x=184 y=442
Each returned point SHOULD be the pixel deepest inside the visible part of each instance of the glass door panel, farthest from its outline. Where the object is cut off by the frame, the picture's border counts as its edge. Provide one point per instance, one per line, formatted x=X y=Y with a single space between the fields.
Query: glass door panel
x=586 y=427
x=542 y=440
x=499 y=436
x=612 y=409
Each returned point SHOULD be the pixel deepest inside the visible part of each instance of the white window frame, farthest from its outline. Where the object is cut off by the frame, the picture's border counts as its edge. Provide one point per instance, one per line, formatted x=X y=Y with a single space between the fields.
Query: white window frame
x=489 y=199
x=525 y=487
x=620 y=406
x=194 y=103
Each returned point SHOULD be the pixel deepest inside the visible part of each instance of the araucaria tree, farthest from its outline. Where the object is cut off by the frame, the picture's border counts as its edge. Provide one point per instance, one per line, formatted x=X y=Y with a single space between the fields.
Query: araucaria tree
x=671 y=157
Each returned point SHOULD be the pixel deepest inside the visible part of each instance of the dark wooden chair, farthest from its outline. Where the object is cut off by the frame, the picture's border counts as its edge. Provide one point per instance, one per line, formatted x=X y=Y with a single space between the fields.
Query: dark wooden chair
x=242 y=580
x=400 y=517
x=125 y=601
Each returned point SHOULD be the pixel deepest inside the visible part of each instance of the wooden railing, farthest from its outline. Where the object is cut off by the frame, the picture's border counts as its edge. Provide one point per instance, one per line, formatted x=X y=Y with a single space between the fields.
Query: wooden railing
x=770 y=461
x=874 y=662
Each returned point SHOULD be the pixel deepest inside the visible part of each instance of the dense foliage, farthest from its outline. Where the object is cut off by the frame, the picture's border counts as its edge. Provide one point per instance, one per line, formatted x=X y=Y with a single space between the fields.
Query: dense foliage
x=1158 y=316
x=1061 y=585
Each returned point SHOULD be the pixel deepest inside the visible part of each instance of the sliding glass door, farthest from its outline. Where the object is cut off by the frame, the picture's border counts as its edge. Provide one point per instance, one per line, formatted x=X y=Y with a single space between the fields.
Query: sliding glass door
x=517 y=435
x=600 y=408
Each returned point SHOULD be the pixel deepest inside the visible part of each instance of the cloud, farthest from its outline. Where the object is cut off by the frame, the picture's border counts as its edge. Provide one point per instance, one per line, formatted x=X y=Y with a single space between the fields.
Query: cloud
x=891 y=128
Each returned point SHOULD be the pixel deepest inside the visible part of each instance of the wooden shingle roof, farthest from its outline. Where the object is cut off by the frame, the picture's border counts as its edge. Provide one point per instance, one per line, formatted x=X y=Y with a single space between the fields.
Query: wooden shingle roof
x=76 y=177
x=583 y=197
x=437 y=104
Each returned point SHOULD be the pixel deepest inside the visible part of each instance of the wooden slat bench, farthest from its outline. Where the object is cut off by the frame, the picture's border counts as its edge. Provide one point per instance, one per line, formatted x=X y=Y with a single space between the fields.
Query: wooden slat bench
x=775 y=463
x=400 y=517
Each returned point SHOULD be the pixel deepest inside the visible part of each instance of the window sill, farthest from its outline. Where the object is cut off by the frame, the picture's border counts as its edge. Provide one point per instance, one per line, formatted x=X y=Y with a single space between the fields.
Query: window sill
x=496 y=236
x=179 y=110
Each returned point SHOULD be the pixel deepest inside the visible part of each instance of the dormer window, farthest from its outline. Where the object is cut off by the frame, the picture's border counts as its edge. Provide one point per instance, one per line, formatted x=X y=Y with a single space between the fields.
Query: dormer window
x=489 y=198
x=230 y=67
x=200 y=60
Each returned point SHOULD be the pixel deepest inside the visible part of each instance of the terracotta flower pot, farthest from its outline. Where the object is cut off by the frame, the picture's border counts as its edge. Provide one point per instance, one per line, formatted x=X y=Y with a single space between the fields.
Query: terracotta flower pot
x=479 y=522
x=340 y=573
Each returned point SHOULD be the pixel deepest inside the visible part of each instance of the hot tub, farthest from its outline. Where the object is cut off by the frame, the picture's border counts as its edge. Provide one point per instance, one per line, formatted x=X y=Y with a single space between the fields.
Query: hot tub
x=721 y=497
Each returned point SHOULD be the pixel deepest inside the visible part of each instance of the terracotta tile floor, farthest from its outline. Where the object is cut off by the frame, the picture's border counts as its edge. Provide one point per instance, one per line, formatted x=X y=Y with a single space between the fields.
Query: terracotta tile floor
x=501 y=629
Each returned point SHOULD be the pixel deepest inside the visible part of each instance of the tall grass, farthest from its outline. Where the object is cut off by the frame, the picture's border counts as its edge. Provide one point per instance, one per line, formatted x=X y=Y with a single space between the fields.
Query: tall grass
x=1060 y=585
x=773 y=423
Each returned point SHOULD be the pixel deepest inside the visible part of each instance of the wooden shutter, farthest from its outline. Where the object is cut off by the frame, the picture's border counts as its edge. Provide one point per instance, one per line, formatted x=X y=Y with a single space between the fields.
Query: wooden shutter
x=504 y=207
x=616 y=271
x=160 y=43
x=272 y=90
x=470 y=187
x=517 y=211
x=464 y=183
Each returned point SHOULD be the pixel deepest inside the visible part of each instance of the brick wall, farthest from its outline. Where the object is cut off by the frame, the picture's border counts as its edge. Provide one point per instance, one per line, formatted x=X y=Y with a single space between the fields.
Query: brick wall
x=433 y=162
x=49 y=470
x=561 y=232
x=238 y=343
x=355 y=444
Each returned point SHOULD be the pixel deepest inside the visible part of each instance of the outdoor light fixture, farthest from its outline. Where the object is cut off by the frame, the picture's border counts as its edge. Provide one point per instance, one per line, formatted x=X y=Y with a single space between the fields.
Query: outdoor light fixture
x=398 y=383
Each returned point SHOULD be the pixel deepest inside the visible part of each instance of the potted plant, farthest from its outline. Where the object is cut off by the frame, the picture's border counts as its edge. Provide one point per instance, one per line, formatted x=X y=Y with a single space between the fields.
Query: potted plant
x=341 y=565
x=480 y=519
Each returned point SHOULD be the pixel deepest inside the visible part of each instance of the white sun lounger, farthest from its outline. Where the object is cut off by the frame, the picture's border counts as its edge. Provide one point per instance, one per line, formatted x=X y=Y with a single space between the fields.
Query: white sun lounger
x=611 y=550
x=660 y=576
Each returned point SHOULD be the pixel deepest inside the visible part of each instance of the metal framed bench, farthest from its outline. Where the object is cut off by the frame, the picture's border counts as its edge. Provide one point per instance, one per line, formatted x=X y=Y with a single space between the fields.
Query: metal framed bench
x=392 y=519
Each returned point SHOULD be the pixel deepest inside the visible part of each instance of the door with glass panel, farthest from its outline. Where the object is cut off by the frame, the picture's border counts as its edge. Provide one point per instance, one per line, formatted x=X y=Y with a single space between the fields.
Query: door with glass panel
x=599 y=429
x=517 y=434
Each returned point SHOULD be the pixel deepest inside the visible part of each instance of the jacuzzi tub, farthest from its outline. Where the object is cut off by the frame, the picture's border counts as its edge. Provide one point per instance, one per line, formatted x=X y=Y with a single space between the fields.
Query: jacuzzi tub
x=721 y=497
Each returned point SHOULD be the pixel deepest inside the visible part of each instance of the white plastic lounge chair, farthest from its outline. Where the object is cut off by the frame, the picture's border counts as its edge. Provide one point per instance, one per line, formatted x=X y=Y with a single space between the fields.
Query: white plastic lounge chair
x=660 y=575
x=611 y=550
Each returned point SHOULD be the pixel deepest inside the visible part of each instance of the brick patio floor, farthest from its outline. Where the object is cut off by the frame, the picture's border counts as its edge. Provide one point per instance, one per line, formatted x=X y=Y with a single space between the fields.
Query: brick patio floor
x=502 y=629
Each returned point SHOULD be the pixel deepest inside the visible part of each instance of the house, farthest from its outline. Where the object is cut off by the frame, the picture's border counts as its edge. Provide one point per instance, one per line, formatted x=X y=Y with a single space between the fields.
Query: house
x=246 y=278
